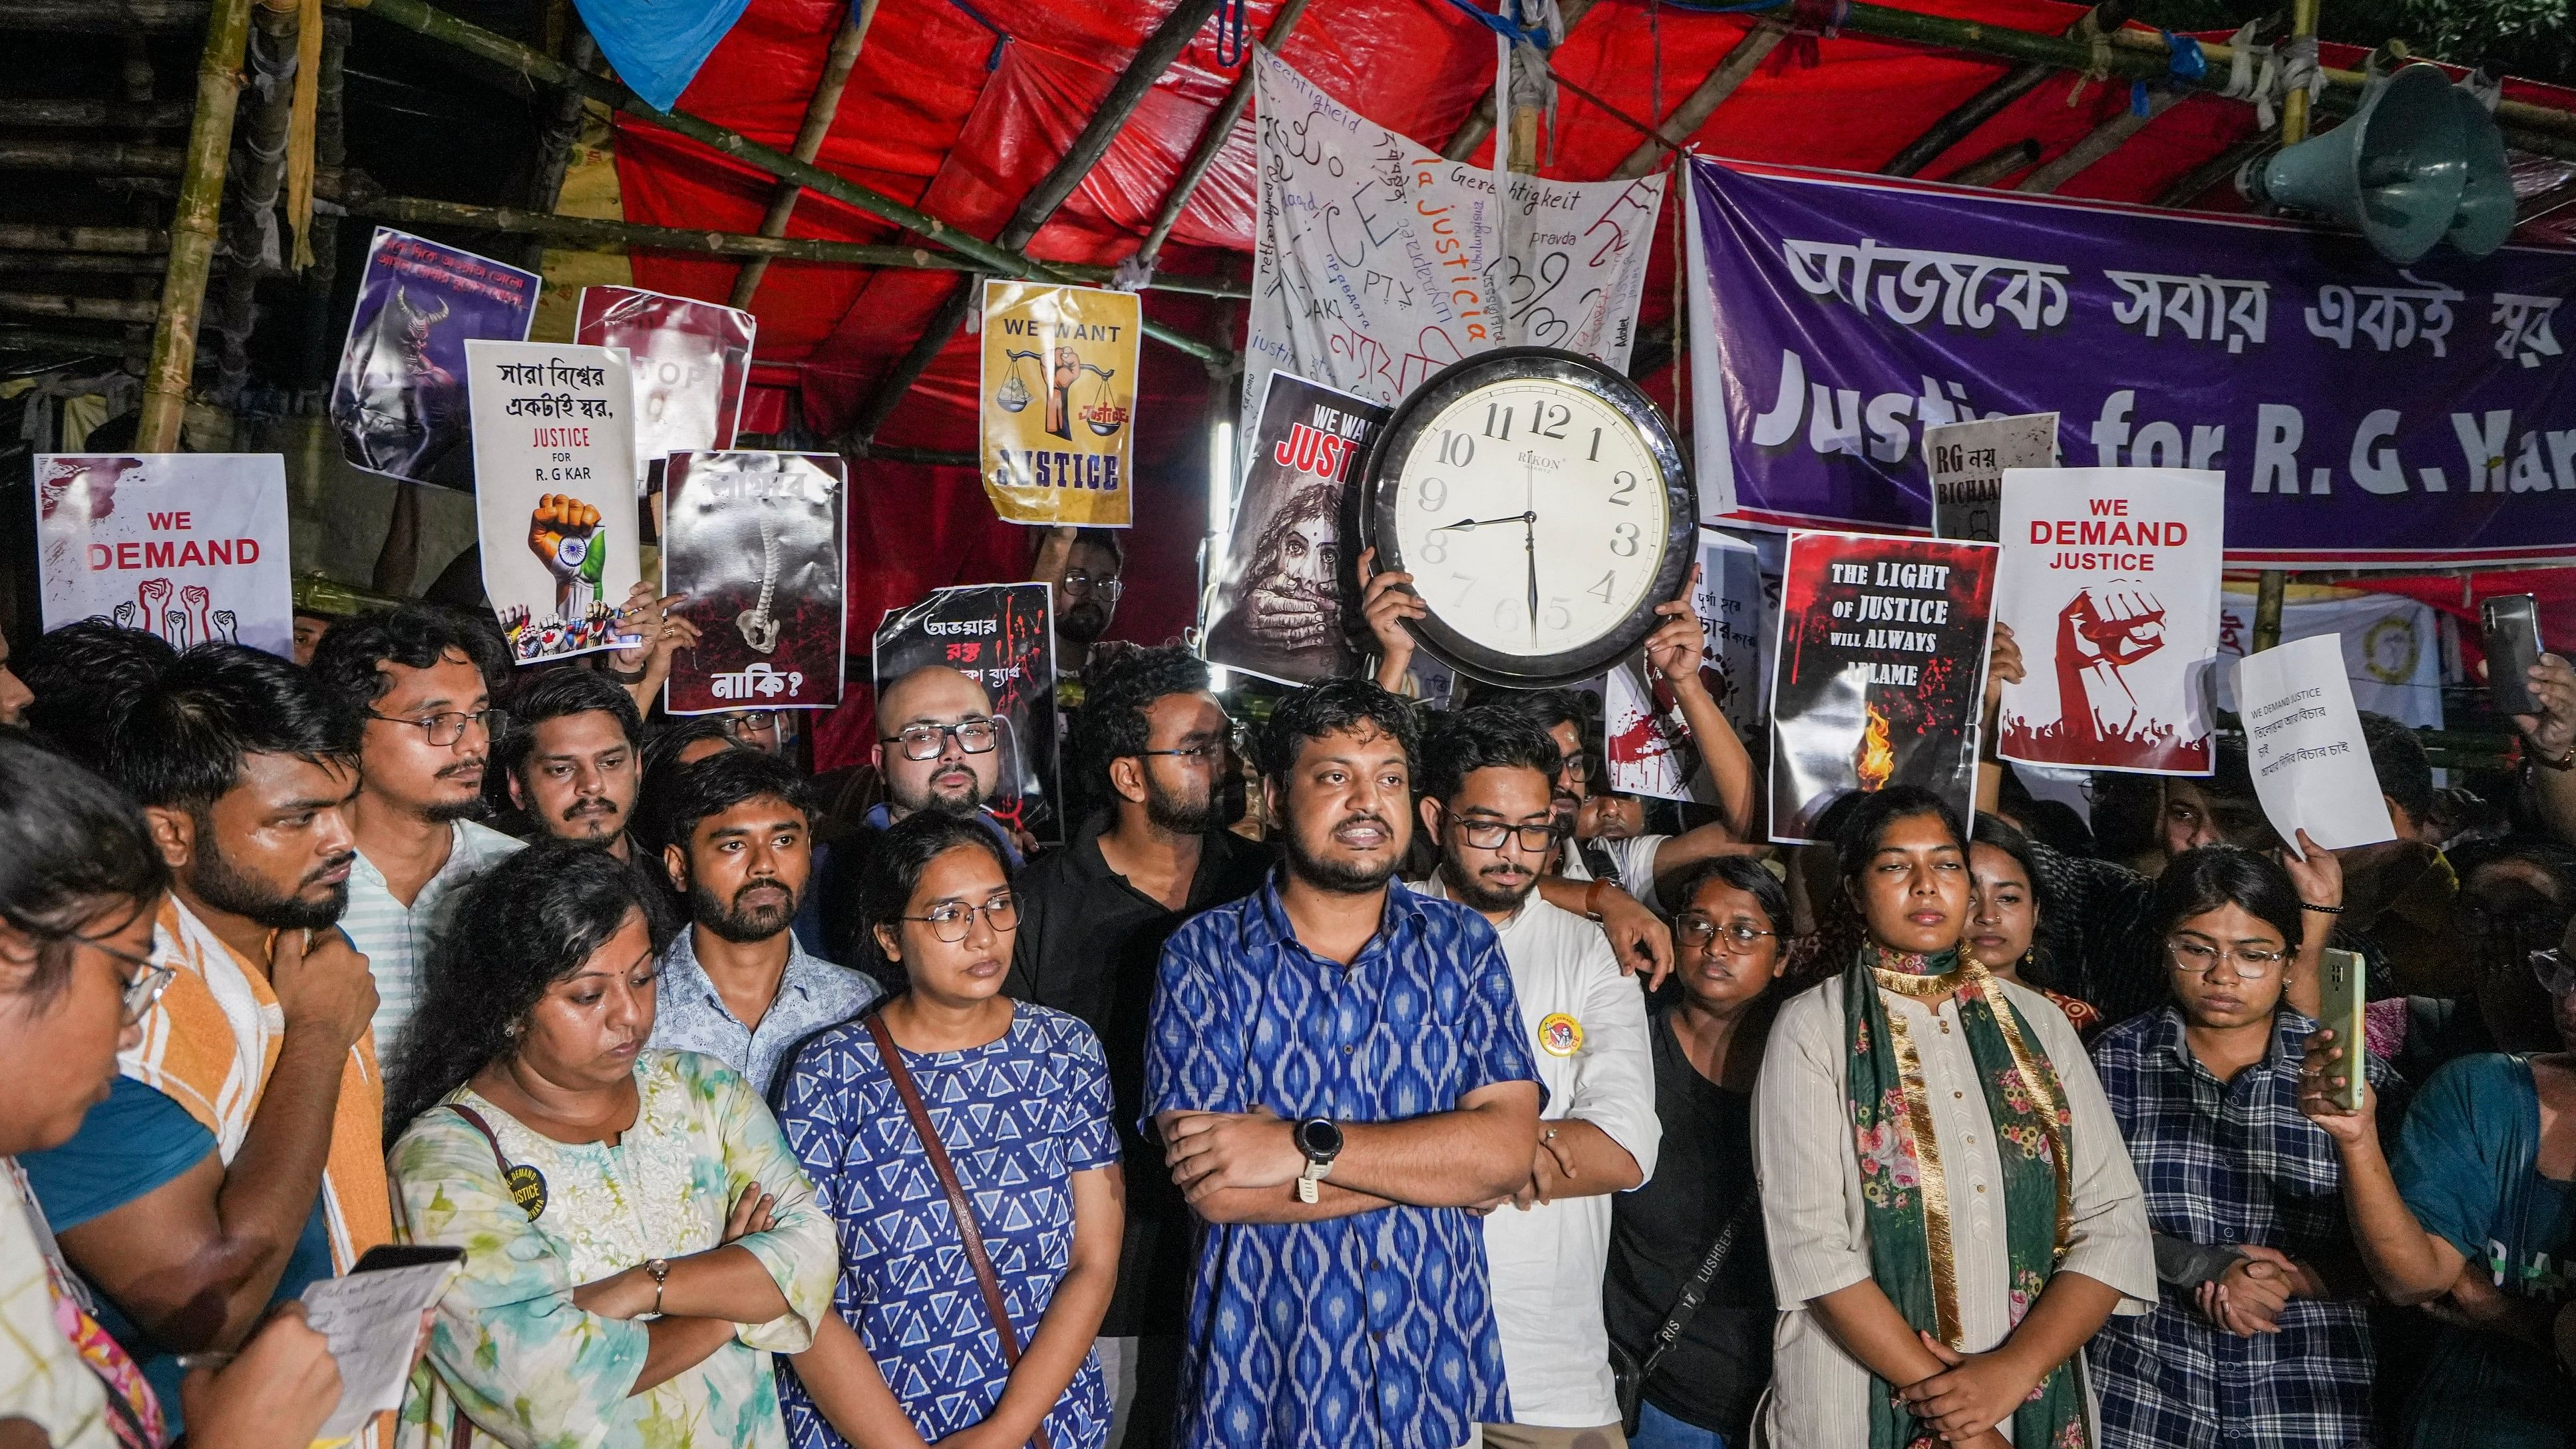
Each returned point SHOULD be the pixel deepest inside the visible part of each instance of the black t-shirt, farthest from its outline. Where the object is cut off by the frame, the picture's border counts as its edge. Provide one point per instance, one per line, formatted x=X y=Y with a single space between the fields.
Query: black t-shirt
x=1660 y=1232
x=1089 y=944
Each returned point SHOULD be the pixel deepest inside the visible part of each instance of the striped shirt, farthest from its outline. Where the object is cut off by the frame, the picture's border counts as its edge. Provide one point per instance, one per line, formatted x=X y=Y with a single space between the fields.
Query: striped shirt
x=396 y=938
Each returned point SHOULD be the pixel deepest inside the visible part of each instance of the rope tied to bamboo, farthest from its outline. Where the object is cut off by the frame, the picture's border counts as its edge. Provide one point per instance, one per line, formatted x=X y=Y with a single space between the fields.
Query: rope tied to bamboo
x=2254 y=74
x=2299 y=69
x=2097 y=70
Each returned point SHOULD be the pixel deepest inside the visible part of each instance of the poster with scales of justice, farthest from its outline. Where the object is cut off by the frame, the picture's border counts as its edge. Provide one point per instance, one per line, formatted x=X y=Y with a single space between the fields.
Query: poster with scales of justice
x=1057 y=403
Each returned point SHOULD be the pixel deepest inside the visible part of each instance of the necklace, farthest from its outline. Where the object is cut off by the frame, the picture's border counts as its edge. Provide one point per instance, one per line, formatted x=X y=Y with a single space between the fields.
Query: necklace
x=758 y=629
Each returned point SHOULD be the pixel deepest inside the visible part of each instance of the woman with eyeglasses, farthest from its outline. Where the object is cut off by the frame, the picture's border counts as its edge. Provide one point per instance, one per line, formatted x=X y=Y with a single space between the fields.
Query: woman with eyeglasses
x=2473 y=1213
x=1949 y=1210
x=1706 y=1033
x=2006 y=906
x=80 y=886
x=962 y=1145
x=2263 y=1325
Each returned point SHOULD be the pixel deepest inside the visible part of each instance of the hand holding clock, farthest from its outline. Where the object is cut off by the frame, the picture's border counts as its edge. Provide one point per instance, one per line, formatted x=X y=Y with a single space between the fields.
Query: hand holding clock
x=1386 y=601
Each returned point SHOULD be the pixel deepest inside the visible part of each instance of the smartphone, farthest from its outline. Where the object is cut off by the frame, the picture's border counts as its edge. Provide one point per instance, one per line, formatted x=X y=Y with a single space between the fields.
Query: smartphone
x=2340 y=1003
x=385 y=1256
x=2511 y=629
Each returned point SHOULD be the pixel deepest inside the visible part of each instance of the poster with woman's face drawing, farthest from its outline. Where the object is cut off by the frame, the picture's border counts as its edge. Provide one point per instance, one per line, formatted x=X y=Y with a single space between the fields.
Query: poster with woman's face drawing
x=1275 y=600
x=754 y=539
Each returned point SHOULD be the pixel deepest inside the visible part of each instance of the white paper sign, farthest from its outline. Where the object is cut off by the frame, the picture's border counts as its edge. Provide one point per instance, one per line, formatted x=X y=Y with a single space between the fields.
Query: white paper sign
x=554 y=491
x=1377 y=262
x=1968 y=462
x=2303 y=739
x=1649 y=750
x=2109 y=582
x=2392 y=650
x=190 y=546
x=373 y=1323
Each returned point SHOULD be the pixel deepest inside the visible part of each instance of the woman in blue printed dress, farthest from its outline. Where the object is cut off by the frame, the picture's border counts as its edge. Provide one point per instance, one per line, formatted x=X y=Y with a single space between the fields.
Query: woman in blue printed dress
x=1018 y=1096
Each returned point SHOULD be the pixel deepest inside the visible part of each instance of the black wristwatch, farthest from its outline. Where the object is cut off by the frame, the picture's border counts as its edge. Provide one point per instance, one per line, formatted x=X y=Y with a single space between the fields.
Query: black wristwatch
x=1320 y=1138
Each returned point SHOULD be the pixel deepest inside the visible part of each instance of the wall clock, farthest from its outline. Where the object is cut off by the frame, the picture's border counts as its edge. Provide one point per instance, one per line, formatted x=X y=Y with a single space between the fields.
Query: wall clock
x=1541 y=505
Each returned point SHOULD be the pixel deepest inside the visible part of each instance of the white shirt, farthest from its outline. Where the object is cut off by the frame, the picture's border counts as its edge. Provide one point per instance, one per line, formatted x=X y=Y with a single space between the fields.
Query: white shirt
x=396 y=939
x=1635 y=857
x=1587 y=1026
x=43 y=1378
x=1808 y=1168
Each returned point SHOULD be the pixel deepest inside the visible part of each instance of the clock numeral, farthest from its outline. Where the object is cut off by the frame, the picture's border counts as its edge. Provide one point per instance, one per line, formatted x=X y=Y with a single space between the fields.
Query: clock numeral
x=1548 y=420
x=1457 y=450
x=1499 y=417
x=1602 y=589
x=1434 y=493
x=1623 y=540
x=1622 y=483
x=1595 y=455
x=1558 y=615
x=1509 y=611
x=1435 y=549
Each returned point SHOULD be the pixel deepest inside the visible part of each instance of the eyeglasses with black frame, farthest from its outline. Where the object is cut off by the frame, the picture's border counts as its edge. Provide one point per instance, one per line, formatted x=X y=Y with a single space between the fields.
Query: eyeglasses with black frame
x=149 y=979
x=929 y=741
x=2199 y=958
x=1080 y=581
x=1696 y=930
x=1578 y=764
x=1489 y=834
x=950 y=921
x=1233 y=739
x=449 y=726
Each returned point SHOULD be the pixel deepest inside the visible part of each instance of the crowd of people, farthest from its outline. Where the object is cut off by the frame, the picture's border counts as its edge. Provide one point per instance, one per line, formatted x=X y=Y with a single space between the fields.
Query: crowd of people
x=1371 y=1077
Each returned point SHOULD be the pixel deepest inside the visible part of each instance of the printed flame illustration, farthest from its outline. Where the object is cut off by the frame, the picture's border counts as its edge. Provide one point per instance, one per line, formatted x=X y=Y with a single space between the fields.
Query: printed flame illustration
x=1876 y=758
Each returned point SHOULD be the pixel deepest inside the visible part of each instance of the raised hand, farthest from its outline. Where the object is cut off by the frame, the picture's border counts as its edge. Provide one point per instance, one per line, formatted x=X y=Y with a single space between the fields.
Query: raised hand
x=2322 y=1072
x=2552 y=732
x=2121 y=623
x=564 y=533
x=2100 y=632
x=1387 y=600
x=1679 y=644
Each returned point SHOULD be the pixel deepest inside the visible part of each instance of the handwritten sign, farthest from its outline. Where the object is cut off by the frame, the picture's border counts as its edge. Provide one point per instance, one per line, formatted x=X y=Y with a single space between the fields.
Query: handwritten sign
x=554 y=491
x=189 y=546
x=1377 y=262
x=1968 y=462
x=2303 y=738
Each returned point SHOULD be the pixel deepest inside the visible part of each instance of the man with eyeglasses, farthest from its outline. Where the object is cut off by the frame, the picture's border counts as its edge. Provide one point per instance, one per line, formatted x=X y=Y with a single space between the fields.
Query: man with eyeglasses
x=1093 y=920
x=238 y=1156
x=414 y=684
x=1486 y=802
x=1082 y=567
x=574 y=757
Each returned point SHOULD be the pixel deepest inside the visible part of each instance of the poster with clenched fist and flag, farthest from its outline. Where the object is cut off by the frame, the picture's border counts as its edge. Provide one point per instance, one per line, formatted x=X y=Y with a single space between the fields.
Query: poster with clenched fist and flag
x=554 y=491
x=2109 y=583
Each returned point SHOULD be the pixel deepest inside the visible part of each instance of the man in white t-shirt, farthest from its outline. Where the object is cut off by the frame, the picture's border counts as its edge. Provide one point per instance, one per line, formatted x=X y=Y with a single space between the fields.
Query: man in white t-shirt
x=1486 y=802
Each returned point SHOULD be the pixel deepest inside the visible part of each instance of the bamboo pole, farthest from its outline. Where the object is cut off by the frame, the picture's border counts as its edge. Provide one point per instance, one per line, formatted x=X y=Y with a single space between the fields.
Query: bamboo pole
x=79 y=309
x=819 y=112
x=1995 y=165
x=581 y=233
x=1212 y=141
x=421 y=17
x=1479 y=124
x=2100 y=142
x=192 y=228
x=111 y=158
x=157 y=115
x=1991 y=102
x=102 y=17
x=39 y=339
x=37 y=236
x=2196 y=182
x=2273 y=584
x=110 y=264
x=1151 y=59
x=1702 y=103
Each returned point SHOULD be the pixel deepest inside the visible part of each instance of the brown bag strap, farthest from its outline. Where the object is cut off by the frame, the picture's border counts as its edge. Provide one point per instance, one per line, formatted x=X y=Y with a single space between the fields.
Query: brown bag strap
x=985 y=1277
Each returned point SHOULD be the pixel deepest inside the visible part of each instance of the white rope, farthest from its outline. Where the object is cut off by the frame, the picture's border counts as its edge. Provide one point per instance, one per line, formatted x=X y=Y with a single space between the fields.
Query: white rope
x=2254 y=73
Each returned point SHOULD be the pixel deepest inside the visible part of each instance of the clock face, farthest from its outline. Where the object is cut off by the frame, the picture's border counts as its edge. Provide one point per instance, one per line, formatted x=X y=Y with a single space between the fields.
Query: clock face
x=1540 y=505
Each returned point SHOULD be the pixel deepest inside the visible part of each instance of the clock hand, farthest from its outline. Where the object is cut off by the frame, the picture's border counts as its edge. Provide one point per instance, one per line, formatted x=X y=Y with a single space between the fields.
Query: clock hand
x=1530 y=544
x=1482 y=522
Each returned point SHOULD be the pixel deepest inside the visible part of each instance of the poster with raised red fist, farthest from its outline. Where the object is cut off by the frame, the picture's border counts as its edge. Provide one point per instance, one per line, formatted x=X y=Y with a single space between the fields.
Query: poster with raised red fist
x=1878 y=675
x=554 y=491
x=2109 y=584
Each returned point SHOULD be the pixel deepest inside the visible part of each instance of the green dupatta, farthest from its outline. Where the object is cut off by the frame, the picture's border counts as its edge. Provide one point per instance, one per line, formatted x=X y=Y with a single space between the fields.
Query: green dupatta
x=1902 y=1181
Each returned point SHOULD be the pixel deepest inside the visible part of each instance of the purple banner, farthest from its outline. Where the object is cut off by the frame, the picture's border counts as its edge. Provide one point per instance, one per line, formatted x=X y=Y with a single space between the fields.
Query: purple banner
x=398 y=402
x=2364 y=416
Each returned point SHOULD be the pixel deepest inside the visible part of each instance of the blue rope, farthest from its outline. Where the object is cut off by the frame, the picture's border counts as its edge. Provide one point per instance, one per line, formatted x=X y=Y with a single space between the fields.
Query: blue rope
x=2189 y=62
x=1503 y=27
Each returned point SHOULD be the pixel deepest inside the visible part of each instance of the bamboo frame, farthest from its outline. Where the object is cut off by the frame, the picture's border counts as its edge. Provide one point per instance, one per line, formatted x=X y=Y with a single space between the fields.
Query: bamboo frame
x=1479 y=124
x=819 y=114
x=38 y=236
x=2096 y=144
x=1985 y=105
x=156 y=115
x=1702 y=103
x=1212 y=141
x=1995 y=165
x=192 y=229
x=2272 y=585
x=79 y=309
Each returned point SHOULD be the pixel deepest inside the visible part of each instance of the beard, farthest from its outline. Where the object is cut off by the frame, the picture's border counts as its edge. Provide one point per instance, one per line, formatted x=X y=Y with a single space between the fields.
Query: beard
x=1481 y=891
x=227 y=887
x=739 y=923
x=1084 y=623
x=1178 y=813
x=593 y=818
x=1340 y=877
x=960 y=801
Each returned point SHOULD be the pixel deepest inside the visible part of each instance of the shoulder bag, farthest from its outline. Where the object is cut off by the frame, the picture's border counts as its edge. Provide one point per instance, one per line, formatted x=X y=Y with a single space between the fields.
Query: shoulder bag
x=1629 y=1375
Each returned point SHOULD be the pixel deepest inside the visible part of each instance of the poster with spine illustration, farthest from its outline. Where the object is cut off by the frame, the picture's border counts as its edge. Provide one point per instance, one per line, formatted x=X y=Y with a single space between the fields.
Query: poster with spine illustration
x=554 y=491
x=2109 y=583
x=1647 y=744
x=1276 y=597
x=754 y=540
x=1058 y=403
x=1003 y=637
x=1878 y=674
x=692 y=363
x=398 y=399
x=189 y=546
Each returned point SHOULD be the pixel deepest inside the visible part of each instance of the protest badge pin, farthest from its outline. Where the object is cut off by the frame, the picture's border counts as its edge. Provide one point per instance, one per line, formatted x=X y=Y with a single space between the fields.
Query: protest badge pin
x=527 y=1189
x=1560 y=1035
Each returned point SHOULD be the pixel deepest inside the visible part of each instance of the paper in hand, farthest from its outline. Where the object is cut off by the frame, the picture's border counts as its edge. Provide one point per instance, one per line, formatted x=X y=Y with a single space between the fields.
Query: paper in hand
x=373 y=1323
x=2303 y=739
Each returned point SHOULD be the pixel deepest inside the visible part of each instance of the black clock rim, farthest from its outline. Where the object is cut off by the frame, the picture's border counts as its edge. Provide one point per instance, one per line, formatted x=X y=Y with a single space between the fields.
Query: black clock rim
x=1374 y=505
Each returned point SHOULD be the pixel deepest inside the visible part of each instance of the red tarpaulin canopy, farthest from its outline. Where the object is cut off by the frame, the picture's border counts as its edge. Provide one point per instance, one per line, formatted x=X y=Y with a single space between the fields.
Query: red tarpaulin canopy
x=961 y=106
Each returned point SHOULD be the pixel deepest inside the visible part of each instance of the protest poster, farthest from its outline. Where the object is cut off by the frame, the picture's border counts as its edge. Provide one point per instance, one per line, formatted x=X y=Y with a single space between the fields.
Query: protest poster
x=1376 y=261
x=398 y=399
x=691 y=360
x=1276 y=597
x=2303 y=739
x=1968 y=462
x=189 y=546
x=1056 y=402
x=554 y=493
x=1879 y=672
x=755 y=541
x=1003 y=637
x=1648 y=746
x=2392 y=650
x=2109 y=584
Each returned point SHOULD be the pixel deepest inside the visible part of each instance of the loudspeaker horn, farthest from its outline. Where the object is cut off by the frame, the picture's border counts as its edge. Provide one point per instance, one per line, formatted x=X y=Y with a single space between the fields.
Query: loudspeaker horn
x=2396 y=170
x=2485 y=217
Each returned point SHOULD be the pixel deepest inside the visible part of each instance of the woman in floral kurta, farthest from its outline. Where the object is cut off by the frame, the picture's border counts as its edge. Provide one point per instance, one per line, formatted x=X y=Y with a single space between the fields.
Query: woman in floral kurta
x=541 y=1340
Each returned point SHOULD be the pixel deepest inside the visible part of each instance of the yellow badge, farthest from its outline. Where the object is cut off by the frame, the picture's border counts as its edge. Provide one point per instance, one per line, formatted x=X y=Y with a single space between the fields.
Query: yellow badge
x=1560 y=1035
